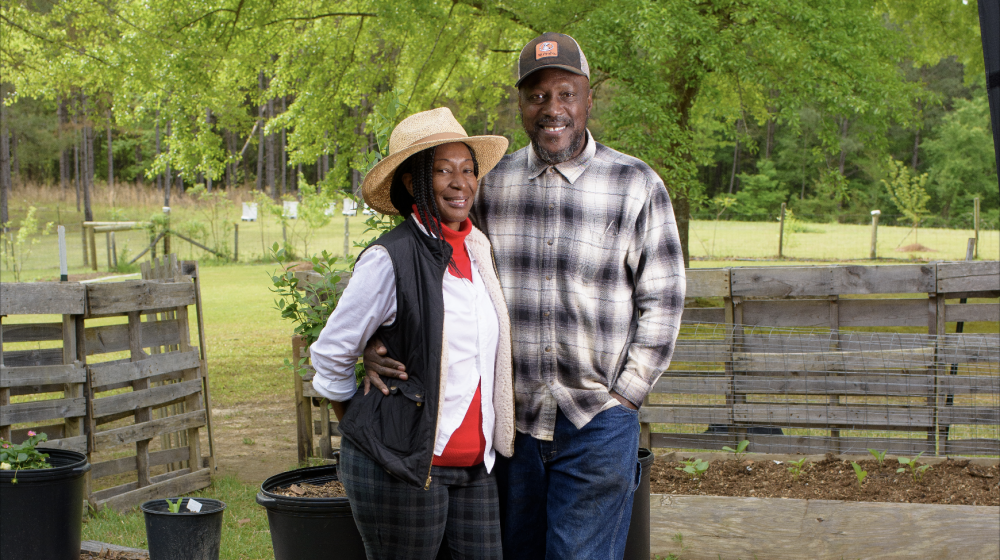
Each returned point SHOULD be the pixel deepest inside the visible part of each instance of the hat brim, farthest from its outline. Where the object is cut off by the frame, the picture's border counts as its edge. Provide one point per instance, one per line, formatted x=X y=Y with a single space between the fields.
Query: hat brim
x=375 y=187
x=565 y=67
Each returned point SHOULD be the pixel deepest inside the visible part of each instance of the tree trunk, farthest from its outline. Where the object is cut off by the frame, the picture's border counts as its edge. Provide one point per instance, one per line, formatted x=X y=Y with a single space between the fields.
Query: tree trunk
x=168 y=177
x=208 y=176
x=63 y=152
x=4 y=168
x=770 y=139
x=916 y=150
x=284 y=150
x=111 y=156
x=844 y=124
x=736 y=160
x=260 y=135
x=159 y=176
x=76 y=158
x=15 y=161
x=88 y=161
x=271 y=155
x=682 y=215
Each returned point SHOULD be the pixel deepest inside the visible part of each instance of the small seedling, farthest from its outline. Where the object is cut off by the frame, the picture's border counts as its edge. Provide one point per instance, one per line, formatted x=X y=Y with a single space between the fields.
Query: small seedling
x=797 y=467
x=916 y=471
x=247 y=441
x=859 y=472
x=174 y=506
x=879 y=455
x=693 y=468
x=740 y=450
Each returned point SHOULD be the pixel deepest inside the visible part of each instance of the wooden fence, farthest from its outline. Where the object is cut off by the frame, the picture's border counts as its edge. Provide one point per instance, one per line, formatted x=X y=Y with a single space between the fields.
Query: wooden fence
x=112 y=373
x=766 y=351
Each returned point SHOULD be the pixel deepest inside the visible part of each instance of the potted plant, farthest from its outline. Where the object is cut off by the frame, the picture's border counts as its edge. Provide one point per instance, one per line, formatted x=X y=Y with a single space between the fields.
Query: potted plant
x=183 y=528
x=41 y=500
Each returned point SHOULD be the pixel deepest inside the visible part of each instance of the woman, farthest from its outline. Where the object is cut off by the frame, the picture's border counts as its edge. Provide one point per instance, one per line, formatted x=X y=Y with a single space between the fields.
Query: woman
x=417 y=462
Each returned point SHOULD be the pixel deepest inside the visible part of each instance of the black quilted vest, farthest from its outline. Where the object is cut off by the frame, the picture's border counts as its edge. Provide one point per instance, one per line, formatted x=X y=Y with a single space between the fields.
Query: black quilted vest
x=397 y=430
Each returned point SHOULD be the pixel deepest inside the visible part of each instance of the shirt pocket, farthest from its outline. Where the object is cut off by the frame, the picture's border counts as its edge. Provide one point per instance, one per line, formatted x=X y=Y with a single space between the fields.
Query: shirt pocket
x=595 y=246
x=397 y=417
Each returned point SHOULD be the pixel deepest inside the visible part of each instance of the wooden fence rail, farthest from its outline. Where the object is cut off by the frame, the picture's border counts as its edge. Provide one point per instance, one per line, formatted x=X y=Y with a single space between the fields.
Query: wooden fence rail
x=135 y=386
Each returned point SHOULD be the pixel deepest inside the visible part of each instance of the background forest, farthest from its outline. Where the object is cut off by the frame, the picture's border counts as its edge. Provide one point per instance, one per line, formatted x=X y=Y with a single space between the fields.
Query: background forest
x=834 y=108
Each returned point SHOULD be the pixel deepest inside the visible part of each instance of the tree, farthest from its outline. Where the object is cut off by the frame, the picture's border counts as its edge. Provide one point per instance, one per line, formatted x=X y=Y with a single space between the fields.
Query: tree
x=907 y=192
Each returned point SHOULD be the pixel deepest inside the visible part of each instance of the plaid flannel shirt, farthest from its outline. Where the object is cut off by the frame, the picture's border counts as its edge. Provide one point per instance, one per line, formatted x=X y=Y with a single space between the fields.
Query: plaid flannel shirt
x=591 y=266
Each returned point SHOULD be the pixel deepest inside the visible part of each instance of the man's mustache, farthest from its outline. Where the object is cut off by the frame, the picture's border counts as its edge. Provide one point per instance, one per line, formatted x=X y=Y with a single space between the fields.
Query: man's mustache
x=555 y=122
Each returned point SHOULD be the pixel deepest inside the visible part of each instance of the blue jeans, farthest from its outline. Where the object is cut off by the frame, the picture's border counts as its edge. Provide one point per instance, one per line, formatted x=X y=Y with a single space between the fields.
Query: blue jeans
x=571 y=498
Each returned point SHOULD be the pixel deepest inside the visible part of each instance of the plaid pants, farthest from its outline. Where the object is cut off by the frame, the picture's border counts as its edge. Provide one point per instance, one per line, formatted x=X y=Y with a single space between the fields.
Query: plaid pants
x=397 y=520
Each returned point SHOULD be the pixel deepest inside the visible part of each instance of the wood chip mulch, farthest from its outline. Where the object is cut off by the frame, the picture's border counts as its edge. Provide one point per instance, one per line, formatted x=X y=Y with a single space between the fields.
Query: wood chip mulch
x=950 y=482
x=332 y=489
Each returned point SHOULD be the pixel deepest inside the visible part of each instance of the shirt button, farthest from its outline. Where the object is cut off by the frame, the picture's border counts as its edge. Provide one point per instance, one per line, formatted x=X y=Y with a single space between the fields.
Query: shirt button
x=545 y=314
x=552 y=170
x=548 y=278
x=549 y=242
x=552 y=205
x=548 y=348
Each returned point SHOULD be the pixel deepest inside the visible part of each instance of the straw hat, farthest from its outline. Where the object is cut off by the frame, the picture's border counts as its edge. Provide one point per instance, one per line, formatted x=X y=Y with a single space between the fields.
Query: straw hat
x=419 y=132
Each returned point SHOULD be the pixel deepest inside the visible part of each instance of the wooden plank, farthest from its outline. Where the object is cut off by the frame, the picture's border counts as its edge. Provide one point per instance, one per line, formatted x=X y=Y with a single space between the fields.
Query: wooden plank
x=175 y=486
x=75 y=443
x=691 y=351
x=792 y=313
x=980 y=446
x=33 y=358
x=891 y=279
x=704 y=315
x=872 y=385
x=105 y=550
x=822 y=414
x=157 y=364
x=972 y=312
x=989 y=415
x=53 y=431
x=137 y=295
x=970 y=384
x=793 y=444
x=883 y=312
x=147 y=430
x=126 y=464
x=693 y=385
x=720 y=527
x=31 y=332
x=836 y=361
x=665 y=414
x=977 y=276
x=334 y=428
x=707 y=282
x=114 y=338
x=38 y=411
x=42 y=298
x=152 y=397
x=42 y=375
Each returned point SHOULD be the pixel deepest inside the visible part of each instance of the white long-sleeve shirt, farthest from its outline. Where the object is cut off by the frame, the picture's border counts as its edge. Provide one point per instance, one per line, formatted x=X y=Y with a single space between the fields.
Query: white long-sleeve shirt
x=471 y=331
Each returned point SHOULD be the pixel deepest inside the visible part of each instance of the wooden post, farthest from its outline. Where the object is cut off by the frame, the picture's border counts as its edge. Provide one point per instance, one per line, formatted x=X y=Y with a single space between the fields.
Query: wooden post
x=303 y=406
x=114 y=251
x=236 y=242
x=107 y=243
x=834 y=400
x=970 y=250
x=875 y=215
x=166 y=231
x=347 y=236
x=93 y=248
x=781 y=230
x=975 y=221
x=74 y=425
x=141 y=414
x=4 y=393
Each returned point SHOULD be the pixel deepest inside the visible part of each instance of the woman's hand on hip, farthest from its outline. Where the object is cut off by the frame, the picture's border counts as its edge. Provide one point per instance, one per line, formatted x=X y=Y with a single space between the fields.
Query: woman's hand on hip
x=378 y=365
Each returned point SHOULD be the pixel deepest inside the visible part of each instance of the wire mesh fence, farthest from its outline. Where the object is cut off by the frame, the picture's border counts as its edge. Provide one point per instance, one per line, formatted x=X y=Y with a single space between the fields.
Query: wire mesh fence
x=808 y=390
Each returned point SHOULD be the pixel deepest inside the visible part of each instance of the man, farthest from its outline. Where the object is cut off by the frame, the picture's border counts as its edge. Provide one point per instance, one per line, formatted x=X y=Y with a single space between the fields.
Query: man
x=592 y=271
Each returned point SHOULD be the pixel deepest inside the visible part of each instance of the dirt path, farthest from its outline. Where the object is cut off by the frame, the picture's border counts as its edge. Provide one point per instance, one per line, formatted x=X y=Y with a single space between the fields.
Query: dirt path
x=255 y=440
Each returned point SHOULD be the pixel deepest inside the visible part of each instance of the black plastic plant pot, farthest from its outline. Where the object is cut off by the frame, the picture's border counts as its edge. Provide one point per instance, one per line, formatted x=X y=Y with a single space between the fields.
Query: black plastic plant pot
x=310 y=527
x=41 y=516
x=185 y=535
x=637 y=542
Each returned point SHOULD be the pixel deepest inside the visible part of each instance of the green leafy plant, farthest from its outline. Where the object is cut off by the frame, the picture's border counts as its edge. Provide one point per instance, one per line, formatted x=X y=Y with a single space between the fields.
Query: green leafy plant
x=693 y=468
x=859 y=472
x=916 y=469
x=24 y=455
x=906 y=189
x=308 y=305
x=879 y=456
x=173 y=506
x=798 y=467
x=740 y=450
x=15 y=249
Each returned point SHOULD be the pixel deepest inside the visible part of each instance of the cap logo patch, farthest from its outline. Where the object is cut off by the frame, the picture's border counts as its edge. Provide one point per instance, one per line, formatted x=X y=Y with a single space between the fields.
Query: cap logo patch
x=546 y=49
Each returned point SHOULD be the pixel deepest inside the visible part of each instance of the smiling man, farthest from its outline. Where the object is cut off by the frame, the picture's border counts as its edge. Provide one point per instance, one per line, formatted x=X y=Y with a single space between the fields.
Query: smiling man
x=591 y=267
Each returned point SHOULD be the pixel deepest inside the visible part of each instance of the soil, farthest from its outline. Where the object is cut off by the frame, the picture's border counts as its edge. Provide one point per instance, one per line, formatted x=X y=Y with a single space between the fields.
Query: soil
x=112 y=555
x=915 y=248
x=332 y=489
x=949 y=482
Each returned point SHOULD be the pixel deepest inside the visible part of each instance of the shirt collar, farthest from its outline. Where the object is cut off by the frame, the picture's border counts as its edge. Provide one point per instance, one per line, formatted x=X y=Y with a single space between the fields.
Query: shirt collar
x=571 y=169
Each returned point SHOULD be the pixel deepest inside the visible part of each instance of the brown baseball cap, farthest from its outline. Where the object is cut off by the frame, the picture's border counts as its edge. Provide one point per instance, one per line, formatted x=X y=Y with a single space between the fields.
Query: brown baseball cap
x=551 y=50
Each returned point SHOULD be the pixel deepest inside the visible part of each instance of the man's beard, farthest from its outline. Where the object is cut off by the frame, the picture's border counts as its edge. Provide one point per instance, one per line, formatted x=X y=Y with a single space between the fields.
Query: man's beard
x=553 y=158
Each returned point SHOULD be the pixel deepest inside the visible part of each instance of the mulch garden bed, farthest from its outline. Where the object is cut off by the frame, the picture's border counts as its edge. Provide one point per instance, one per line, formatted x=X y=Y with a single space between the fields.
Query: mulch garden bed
x=958 y=482
x=332 y=489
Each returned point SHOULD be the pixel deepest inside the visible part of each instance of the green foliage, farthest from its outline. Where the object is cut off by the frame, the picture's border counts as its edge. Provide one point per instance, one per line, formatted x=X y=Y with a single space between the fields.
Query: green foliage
x=879 y=456
x=693 y=468
x=15 y=249
x=798 y=467
x=214 y=208
x=907 y=191
x=308 y=306
x=915 y=468
x=740 y=450
x=859 y=472
x=760 y=196
x=173 y=506
x=21 y=456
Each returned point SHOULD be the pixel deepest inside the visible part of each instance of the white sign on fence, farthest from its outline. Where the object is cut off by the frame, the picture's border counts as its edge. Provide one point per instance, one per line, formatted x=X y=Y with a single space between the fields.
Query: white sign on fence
x=249 y=212
x=291 y=209
x=350 y=207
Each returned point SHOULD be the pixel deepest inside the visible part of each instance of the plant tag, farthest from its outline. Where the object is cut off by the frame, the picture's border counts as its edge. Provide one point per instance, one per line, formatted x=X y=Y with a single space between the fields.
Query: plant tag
x=194 y=505
x=777 y=462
